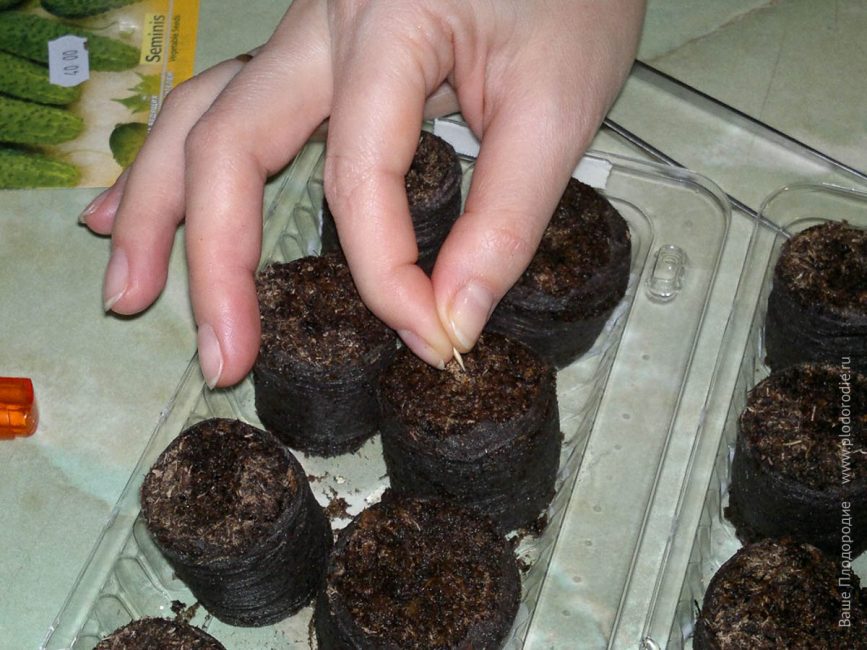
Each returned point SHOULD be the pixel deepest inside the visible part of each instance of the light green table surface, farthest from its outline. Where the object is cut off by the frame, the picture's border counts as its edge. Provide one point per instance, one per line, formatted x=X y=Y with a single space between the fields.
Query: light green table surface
x=102 y=381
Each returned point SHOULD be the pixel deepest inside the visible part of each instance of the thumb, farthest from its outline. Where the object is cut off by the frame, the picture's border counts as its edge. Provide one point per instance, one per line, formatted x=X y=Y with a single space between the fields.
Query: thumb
x=523 y=167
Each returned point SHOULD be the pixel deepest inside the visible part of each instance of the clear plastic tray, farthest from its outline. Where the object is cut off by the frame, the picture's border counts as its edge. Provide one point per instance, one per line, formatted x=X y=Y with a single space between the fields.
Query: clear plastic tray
x=654 y=334
x=702 y=537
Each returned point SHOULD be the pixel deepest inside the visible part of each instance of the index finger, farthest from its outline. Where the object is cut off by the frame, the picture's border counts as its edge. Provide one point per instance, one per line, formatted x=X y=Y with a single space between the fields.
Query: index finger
x=381 y=83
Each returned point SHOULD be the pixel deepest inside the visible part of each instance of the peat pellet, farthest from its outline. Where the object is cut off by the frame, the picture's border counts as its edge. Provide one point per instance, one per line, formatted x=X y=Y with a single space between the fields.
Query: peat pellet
x=577 y=277
x=433 y=191
x=231 y=510
x=159 y=634
x=321 y=355
x=486 y=436
x=418 y=574
x=817 y=308
x=781 y=594
x=800 y=463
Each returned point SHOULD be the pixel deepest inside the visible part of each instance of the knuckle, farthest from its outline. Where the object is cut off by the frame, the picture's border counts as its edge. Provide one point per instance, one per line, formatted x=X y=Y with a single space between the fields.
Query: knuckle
x=344 y=177
x=510 y=241
x=206 y=138
x=180 y=96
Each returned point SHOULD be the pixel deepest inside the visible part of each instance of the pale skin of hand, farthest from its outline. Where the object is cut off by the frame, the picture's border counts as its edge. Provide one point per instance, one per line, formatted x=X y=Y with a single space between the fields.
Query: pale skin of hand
x=532 y=79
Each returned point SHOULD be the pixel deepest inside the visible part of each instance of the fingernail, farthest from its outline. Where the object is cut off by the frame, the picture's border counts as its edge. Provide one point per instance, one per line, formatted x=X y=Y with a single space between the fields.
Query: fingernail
x=210 y=356
x=116 y=274
x=471 y=308
x=92 y=207
x=422 y=349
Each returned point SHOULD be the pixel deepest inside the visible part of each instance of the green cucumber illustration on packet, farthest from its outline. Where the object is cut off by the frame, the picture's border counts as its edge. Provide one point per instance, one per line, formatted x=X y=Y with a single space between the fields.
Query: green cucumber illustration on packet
x=22 y=169
x=28 y=123
x=25 y=79
x=82 y=8
x=27 y=35
x=126 y=140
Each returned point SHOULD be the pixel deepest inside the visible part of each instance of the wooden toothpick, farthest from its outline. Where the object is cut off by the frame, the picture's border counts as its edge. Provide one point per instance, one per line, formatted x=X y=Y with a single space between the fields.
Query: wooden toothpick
x=458 y=358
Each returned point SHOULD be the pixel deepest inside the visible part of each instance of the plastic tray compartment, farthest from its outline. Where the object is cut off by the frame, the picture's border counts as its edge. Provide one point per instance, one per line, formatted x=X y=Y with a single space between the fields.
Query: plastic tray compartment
x=125 y=577
x=712 y=541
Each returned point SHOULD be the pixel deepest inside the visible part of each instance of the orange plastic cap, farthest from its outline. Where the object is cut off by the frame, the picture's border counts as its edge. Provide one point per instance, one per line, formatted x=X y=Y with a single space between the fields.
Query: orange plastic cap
x=18 y=413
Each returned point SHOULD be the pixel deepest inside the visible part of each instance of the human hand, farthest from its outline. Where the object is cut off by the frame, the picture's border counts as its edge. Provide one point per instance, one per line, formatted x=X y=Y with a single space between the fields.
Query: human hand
x=532 y=79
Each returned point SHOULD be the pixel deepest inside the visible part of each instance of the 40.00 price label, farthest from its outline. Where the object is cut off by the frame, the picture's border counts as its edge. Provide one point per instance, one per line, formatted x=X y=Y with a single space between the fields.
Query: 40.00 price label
x=68 y=63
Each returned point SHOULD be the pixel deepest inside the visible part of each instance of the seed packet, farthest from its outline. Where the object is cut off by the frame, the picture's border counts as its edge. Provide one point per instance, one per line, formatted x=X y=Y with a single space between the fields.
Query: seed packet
x=81 y=82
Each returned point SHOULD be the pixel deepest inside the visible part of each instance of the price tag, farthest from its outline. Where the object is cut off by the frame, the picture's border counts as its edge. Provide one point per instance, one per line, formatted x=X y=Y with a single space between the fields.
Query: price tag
x=68 y=63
